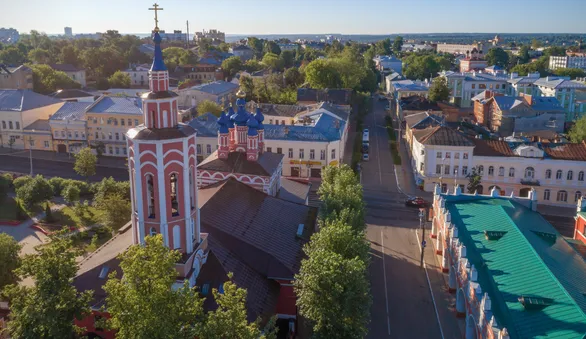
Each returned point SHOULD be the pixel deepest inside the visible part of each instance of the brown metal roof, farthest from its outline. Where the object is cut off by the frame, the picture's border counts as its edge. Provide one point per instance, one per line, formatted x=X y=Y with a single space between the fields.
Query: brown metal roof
x=266 y=164
x=492 y=148
x=441 y=135
x=566 y=151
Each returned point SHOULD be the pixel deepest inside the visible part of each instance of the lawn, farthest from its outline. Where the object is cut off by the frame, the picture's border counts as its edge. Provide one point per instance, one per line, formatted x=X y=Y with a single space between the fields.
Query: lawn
x=67 y=216
x=91 y=240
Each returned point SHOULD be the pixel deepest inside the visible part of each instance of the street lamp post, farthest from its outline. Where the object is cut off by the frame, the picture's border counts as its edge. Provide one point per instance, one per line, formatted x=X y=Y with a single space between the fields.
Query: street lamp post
x=423 y=242
x=31 y=142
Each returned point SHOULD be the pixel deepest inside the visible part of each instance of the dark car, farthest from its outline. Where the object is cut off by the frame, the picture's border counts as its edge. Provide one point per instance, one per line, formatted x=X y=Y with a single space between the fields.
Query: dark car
x=416 y=202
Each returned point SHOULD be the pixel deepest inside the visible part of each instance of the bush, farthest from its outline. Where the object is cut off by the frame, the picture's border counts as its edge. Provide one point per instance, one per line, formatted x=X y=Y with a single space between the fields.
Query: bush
x=21 y=181
x=57 y=185
x=34 y=191
x=49 y=214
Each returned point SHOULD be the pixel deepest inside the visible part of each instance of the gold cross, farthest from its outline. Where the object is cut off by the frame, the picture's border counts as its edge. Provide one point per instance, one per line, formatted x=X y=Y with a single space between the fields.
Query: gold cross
x=156 y=9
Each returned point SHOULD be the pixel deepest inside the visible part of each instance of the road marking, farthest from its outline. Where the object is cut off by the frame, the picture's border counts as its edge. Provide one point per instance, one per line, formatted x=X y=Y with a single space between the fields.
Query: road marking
x=382 y=237
x=429 y=286
x=380 y=172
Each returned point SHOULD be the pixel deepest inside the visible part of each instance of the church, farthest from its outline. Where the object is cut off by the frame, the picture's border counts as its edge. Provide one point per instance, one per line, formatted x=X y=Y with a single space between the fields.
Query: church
x=236 y=220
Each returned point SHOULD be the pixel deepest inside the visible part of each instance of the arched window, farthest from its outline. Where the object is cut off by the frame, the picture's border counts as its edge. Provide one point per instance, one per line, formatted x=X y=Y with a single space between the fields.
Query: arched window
x=174 y=203
x=176 y=237
x=546 y=194
x=191 y=189
x=501 y=171
x=150 y=195
x=577 y=196
x=581 y=176
x=491 y=170
x=529 y=173
x=511 y=172
x=481 y=170
x=570 y=175
x=153 y=119
x=562 y=196
x=153 y=232
x=548 y=174
x=558 y=174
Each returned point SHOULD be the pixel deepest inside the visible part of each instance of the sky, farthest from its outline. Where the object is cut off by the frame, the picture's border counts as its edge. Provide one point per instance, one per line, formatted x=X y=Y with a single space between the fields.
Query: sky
x=300 y=16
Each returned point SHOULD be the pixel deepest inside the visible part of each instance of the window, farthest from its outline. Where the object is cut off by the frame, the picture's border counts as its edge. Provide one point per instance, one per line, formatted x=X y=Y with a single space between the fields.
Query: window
x=17 y=125
x=63 y=134
x=482 y=86
x=333 y=154
x=124 y=150
x=110 y=135
x=191 y=189
x=10 y=124
x=46 y=144
x=577 y=196
x=83 y=135
x=311 y=154
x=439 y=155
x=129 y=122
x=123 y=136
x=511 y=172
x=115 y=122
x=529 y=173
x=269 y=149
x=153 y=232
x=438 y=169
x=465 y=155
x=456 y=170
x=481 y=170
x=422 y=152
x=447 y=170
x=56 y=134
x=270 y=121
x=421 y=167
x=322 y=155
x=122 y=122
x=448 y=155
x=290 y=153
x=464 y=170
x=546 y=194
x=117 y=150
x=135 y=122
x=548 y=174
x=198 y=147
x=150 y=195
x=570 y=175
x=498 y=86
x=562 y=196
x=176 y=237
x=581 y=176
x=279 y=150
x=109 y=121
x=501 y=171
x=69 y=134
x=95 y=120
x=110 y=150
x=490 y=170
x=209 y=148
x=174 y=202
x=301 y=153
x=117 y=136
x=558 y=174
x=444 y=188
x=3 y=124
x=473 y=86
x=103 y=136
x=456 y=155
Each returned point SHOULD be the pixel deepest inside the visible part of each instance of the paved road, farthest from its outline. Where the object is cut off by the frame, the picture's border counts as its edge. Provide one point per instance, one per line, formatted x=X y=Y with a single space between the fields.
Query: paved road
x=402 y=305
x=56 y=168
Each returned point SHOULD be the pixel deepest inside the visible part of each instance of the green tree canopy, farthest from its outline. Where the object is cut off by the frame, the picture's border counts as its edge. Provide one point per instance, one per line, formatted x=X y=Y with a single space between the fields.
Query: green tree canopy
x=293 y=78
x=272 y=61
x=323 y=74
x=425 y=66
x=578 y=131
x=288 y=58
x=497 y=56
x=524 y=54
x=71 y=194
x=85 y=162
x=48 y=308
x=397 y=45
x=35 y=191
x=119 y=80
x=47 y=80
x=232 y=65
x=69 y=55
x=573 y=73
x=208 y=106
x=115 y=211
x=137 y=301
x=40 y=56
x=439 y=90
x=342 y=196
x=257 y=46
x=474 y=179
x=271 y=47
x=12 y=56
x=107 y=187
x=252 y=66
x=9 y=260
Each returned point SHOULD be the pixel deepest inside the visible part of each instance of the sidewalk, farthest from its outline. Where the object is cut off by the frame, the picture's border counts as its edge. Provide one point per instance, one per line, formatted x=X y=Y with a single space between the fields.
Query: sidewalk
x=110 y=162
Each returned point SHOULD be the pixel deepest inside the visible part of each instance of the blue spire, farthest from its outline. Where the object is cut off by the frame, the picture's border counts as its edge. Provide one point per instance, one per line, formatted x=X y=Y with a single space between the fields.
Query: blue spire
x=158 y=63
x=231 y=117
x=223 y=122
x=252 y=124
x=241 y=116
x=260 y=118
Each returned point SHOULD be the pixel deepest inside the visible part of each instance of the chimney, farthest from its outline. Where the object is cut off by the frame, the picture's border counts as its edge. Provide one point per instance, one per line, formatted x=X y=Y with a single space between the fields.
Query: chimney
x=487 y=94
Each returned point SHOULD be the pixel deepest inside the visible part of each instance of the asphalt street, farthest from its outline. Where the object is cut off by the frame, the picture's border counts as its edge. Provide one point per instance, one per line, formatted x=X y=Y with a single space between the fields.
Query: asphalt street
x=402 y=303
x=50 y=168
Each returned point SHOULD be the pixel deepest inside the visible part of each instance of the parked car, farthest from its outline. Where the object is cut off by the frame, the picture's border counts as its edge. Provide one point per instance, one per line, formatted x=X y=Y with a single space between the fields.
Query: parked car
x=388 y=108
x=364 y=148
x=365 y=157
x=416 y=202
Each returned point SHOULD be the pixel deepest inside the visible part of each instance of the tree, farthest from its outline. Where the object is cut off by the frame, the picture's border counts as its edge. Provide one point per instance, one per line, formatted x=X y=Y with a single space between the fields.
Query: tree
x=9 y=260
x=474 y=179
x=252 y=65
x=524 y=55
x=48 y=308
x=555 y=51
x=287 y=58
x=578 y=131
x=39 y=56
x=535 y=44
x=85 y=162
x=323 y=74
x=497 y=56
x=271 y=47
x=257 y=45
x=439 y=90
x=293 y=78
x=383 y=47
x=424 y=66
x=573 y=73
x=70 y=194
x=188 y=58
x=5 y=185
x=115 y=211
x=69 y=55
x=397 y=45
x=232 y=65
x=34 y=191
x=229 y=319
x=224 y=47
x=272 y=61
x=107 y=187
x=119 y=80
x=342 y=196
x=208 y=106
x=143 y=303
x=47 y=80
x=12 y=56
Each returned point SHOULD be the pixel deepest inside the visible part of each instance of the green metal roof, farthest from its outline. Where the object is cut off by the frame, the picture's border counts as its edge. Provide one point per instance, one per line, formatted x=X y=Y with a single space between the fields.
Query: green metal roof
x=531 y=259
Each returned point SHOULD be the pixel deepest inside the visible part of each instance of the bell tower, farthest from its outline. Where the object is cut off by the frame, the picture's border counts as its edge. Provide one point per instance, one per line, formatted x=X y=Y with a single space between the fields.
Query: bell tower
x=163 y=172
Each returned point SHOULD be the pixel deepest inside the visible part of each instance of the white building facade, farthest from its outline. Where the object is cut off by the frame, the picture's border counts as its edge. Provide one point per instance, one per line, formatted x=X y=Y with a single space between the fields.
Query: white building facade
x=556 y=62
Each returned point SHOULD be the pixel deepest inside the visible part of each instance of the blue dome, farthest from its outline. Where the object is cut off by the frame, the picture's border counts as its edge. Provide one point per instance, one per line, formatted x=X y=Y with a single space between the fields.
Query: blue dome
x=260 y=118
x=252 y=124
x=223 y=122
x=230 y=116
x=158 y=63
x=240 y=102
x=241 y=116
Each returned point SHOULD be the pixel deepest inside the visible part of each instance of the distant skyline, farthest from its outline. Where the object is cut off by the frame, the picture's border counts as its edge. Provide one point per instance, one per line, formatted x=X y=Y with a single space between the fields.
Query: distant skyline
x=300 y=17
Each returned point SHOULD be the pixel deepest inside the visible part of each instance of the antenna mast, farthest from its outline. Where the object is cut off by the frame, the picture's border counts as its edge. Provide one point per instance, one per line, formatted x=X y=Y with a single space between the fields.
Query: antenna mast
x=187 y=34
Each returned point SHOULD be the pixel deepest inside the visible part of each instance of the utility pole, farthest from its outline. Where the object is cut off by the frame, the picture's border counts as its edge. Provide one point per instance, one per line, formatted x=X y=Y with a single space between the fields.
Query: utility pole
x=187 y=34
x=30 y=149
x=423 y=242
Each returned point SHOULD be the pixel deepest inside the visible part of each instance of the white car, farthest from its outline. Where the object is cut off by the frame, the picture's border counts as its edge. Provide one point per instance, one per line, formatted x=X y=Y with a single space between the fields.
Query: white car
x=365 y=157
x=388 y=108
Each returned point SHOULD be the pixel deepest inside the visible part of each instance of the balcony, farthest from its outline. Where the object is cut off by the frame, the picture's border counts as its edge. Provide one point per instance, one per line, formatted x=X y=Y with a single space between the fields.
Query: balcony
x=530 y=182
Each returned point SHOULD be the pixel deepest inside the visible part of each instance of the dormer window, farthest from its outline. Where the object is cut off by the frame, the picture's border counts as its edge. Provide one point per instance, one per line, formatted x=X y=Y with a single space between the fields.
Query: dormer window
x=174 y=202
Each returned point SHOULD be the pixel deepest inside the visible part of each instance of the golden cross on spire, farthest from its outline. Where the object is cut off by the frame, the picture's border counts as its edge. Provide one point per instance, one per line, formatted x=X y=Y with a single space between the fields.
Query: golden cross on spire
x=156 y=8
